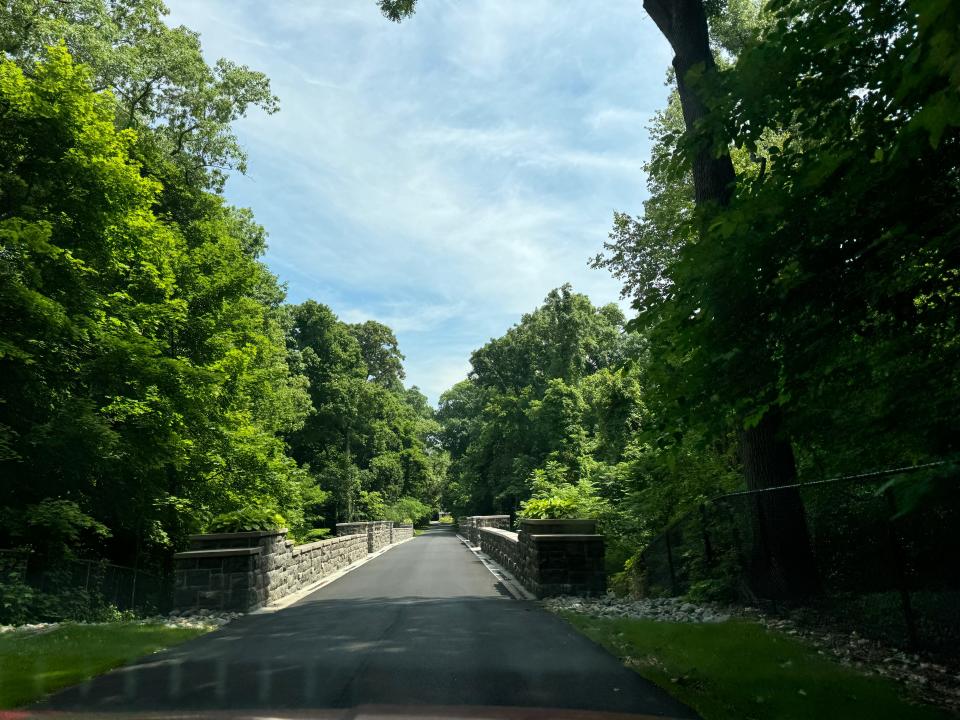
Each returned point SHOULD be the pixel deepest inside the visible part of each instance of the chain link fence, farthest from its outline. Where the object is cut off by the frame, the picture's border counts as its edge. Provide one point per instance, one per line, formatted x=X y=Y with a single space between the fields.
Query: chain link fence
x=886 y=550
x=89 y=582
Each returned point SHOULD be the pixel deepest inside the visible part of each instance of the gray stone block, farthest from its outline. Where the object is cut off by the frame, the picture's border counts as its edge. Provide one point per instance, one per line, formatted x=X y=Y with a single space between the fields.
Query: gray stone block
x=197 y=578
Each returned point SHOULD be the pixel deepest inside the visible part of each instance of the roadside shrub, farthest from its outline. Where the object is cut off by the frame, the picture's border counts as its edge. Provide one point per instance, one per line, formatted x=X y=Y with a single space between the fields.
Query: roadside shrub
x=721 y=589
x=549 y=508
x=16 y=601
x=21 y=603
x=249 y=519
x=628 y=582
x=409 y=511
x=53 y=528
x=554 y=498
x=314 y=535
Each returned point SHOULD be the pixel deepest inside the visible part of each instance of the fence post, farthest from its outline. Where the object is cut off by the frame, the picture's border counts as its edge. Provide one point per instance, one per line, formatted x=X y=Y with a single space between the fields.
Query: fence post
x=673 y=574
x=896 y=553
x=133 y=591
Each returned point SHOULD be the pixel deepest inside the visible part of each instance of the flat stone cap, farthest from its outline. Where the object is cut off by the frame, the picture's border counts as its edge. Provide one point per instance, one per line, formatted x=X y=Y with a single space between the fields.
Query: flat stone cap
x=238 y=535
x=220 y=552
x=571 y=526
x=509 y=535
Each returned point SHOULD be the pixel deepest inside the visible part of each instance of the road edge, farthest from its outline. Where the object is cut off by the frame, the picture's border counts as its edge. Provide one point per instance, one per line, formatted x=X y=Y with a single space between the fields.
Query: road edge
x=506 y=578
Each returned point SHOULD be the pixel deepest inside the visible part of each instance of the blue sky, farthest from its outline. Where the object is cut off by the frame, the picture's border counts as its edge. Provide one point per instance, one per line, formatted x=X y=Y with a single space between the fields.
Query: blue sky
x=442 y=175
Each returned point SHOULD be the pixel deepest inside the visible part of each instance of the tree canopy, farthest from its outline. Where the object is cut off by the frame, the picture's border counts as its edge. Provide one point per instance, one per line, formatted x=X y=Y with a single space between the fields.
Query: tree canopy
x=151 y=375
x=793 y=274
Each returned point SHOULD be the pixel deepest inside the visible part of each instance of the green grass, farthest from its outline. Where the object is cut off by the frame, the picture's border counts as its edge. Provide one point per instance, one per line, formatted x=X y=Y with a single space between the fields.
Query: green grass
x=32 y=665
x=739 y=670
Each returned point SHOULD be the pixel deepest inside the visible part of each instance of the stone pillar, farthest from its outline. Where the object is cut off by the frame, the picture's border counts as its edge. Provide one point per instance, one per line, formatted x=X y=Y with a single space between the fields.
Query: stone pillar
x=561 y=557
x=244 y=571
x=401 y=532
x=218 y=579
x=352 y=528
x=378 y=532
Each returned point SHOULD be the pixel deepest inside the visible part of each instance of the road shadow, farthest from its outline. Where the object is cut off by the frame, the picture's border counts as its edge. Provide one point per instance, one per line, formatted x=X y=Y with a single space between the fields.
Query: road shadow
x=385 y=650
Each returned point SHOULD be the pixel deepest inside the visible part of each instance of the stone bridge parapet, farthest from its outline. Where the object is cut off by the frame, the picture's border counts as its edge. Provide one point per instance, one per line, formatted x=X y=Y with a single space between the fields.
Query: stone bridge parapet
x=401 y=532
x=378 y=532
x=246 y=570
x=547 y=557
x=470 y=526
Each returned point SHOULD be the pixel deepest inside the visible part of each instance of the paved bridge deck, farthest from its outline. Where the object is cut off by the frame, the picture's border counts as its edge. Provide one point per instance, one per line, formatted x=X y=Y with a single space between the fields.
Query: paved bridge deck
x=423 y=624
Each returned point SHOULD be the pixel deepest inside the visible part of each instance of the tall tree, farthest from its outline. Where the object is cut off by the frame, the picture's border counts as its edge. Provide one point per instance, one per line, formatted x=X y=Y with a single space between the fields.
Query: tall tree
x=191 y=412
x=834 y=264
x=785 y=560
x=381 y=353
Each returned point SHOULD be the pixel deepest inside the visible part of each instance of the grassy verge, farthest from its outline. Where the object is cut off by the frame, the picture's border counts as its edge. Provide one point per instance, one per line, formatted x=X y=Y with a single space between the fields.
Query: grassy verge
x=740 y=670
x=32 y=665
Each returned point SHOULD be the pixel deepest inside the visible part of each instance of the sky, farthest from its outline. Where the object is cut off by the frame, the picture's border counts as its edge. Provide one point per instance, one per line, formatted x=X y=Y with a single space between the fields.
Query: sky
x=441 y=175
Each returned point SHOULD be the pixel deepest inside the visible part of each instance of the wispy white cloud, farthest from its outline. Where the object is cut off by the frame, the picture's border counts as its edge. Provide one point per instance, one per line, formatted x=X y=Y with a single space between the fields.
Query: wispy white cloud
x=618 y=117
x=444 y=174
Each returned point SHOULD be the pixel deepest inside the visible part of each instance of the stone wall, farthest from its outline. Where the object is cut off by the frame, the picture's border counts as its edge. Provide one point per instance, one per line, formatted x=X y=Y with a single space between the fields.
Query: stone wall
x=502 y=546
x=378 y=532
x=549 y=557
x=354 y=528
x=400 y=533
x=475 y=522
x=379 y=535
x=244 y=571
x=306 y=564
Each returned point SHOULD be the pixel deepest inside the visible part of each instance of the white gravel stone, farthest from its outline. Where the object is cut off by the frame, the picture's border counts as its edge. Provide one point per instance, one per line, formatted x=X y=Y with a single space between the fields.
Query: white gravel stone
x=29 y=628
x=663 y=609
x=206 y=620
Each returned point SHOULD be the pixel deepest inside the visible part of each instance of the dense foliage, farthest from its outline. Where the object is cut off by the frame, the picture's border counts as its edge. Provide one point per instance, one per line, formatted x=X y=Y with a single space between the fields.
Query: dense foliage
x=827 y=289
x=151 y=376
x=552 y=422
x=816 y=297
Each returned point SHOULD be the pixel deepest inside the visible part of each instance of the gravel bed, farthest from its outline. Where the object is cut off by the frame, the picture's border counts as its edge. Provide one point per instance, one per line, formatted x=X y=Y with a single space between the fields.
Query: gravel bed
x=663 y=609
x=29 y=628
x=199 y=620
x=196 y=619
x=932 y=680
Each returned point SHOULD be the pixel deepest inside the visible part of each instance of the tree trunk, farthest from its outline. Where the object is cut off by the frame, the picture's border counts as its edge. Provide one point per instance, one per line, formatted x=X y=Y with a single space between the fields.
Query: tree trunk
x=783 y=563
x=684 y=24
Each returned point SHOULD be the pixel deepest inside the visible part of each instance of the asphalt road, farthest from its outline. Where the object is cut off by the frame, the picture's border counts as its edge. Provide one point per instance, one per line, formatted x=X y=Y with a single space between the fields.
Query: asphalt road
x=424 y=624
